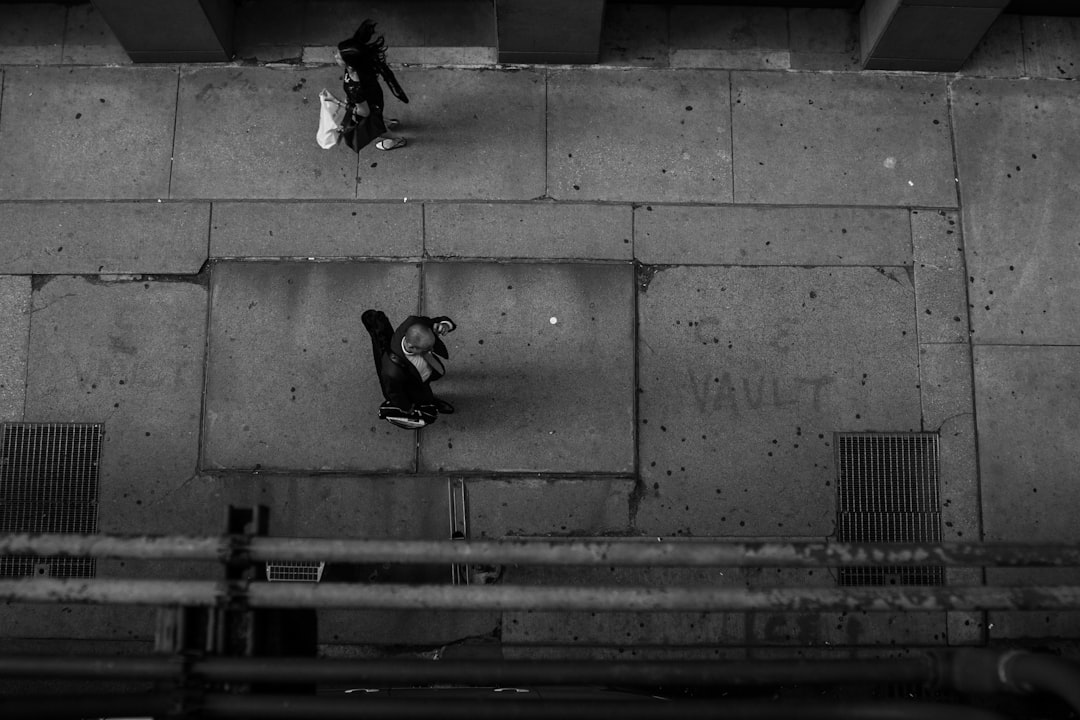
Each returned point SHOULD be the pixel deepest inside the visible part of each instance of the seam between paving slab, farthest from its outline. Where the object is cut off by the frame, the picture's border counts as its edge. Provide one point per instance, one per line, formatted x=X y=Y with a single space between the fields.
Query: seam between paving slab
x=172 y=148
x=970 y=343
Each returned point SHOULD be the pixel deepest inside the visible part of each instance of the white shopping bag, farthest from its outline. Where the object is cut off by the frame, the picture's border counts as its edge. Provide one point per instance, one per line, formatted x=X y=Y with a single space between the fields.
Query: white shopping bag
x=331 y=115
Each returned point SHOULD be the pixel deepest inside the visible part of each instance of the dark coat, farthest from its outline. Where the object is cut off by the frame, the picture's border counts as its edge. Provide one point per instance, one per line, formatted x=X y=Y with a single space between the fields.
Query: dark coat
x=401 y=382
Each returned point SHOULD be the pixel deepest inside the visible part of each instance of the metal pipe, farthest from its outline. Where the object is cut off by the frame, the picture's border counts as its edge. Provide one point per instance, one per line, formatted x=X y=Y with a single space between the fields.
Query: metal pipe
x=632 y=707
x=650 y=552
x=540 y=598
x=73 y=707
x=397 y=673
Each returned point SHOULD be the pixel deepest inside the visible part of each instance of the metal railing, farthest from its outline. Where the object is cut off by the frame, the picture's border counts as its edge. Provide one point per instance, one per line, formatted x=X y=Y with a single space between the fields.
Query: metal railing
x=239 y=550
x=964 y=670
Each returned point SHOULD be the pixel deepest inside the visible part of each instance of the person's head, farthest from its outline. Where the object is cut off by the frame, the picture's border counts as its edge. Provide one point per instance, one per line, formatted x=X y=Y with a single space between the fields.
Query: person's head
x=361 y=49
x=419 y=339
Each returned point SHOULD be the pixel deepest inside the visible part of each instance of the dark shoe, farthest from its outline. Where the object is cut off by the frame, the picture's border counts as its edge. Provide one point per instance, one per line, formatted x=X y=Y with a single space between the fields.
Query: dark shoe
x=444 y=407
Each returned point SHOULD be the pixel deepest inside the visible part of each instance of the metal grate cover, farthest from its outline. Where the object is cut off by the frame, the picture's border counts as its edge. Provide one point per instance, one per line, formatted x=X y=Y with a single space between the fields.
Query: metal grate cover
x=887 y=485
x=49 y=484
x=294 y=571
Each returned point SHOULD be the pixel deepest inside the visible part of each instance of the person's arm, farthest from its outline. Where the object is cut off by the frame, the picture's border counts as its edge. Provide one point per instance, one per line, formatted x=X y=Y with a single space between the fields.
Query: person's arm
x=443 y=325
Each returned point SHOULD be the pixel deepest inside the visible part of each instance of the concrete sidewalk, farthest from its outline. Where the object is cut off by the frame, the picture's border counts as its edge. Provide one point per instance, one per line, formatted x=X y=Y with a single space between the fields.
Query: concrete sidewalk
x=674 y=284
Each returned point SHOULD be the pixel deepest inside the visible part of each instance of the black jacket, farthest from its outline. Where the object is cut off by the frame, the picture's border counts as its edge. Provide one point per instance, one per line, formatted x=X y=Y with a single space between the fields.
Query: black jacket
x=401 y=382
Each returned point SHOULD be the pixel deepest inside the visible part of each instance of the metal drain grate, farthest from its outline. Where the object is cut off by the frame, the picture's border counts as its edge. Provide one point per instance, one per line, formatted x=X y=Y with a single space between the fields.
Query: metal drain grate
x=887 y=485
x=49 y=484
x=294 y=571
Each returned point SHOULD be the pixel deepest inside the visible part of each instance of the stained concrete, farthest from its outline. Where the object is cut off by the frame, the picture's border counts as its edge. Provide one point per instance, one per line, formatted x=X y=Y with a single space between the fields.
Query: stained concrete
x=532 y=394
x=1000 y=52
x=841 y=139
x=84 y=622
x=316 y=230
x=1028 y=415
x=623 y=630
x=113 y=238
x=1019 y=163
x=472 y=134
x=111 y=131
x=533 y=230
x=823 y=39
x=945 y=384
x=267 y=29
x=533 y=506
x=948 y=408
x=731 y=28
x=1052 y=47
x=833 y=629
x=128 y=354
x=14 y=339
x=731 y=59
x=396 y=507
x=416 y=23
x=639 y=135
x=746 y=373
x=249 y=132
x=286 y=338
x=88 y=39
x=741 y=235
x=31 y=33
x=940 y=282
x=634 y=35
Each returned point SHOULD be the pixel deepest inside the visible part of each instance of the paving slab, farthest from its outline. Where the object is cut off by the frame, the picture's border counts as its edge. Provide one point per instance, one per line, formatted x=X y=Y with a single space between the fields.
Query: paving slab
x=88 y=39
x=1019 y=161
x=116 y=125
x=104 y=238
x=1028 y=414
x=316 y=230
x=746 y=373
x=31 y=33
x=128 y=354
x=534 y=230
x=843 y=139
x=472 y=134
x=744 y=235
x=945 y=373
x=629 y=135
x=1052 y=46
x=290 y=382
x=14 y=339
x=249 y=132
x=533 y=506
x=541 y=368
x=1000 y=53
x=940 y=280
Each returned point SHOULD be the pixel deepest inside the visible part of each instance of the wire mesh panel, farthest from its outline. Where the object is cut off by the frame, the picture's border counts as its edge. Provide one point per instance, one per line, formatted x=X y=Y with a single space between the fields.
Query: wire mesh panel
x=294 y=571
x=887 y=491
x=49 y=484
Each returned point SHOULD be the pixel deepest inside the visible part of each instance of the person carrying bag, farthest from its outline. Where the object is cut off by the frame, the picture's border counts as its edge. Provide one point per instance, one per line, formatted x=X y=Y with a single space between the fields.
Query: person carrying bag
x=363 y=58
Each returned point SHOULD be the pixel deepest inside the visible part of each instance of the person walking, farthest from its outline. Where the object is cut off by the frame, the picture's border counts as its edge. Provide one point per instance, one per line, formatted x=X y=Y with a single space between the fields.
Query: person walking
x=407 y=363
x=363 y=58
